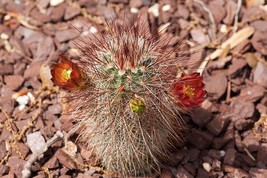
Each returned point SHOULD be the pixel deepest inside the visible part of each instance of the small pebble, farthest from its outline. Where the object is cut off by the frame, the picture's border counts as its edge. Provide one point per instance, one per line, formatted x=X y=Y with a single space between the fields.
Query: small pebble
x=56 y=2
x=7 y=17
x=207 y=167
x=23 y=101
x=223 y=29
x=93 y=29
x=166 y=7
x=134 y=10
x=222 y=153
x=4 y=36
x=154 y=10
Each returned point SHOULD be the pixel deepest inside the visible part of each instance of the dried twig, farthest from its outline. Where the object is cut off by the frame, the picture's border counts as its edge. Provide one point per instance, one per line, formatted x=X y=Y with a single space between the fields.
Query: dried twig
x=211 y=19
x=249 y=154
x=233 y=41
x=26 y=172
x=239 y=4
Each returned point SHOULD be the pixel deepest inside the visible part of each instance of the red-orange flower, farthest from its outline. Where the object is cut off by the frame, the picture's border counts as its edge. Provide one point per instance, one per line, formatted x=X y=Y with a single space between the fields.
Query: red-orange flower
x=189 y=90
x=67 y=74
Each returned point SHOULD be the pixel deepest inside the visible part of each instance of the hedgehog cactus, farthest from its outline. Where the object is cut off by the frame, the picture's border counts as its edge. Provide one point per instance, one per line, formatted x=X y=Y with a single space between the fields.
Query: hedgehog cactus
x=127 y=96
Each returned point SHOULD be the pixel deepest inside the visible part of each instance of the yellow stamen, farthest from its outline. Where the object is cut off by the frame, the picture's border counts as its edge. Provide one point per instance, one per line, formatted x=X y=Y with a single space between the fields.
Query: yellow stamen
x=137 y=106
x=188 y=90
x=66 y=74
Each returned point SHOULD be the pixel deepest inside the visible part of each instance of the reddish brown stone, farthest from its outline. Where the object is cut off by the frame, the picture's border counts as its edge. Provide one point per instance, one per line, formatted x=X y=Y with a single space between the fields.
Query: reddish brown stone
x=217 y=124
x=258 y=173
x=200 y=139
x=200 y=116
x=6 y=69
x=251 y=141
x=181 y=172
x=166 y=174
x=216 y=85
x=230 y=156
x=14 y=81
x=65 y=159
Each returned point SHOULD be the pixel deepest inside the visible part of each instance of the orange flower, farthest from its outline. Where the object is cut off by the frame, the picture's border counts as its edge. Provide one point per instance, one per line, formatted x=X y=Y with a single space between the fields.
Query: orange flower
x=189 y=90
x=68 y=75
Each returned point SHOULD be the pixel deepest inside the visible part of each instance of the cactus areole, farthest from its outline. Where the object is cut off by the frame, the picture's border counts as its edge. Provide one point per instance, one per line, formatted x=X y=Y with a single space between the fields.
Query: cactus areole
x=126 y=98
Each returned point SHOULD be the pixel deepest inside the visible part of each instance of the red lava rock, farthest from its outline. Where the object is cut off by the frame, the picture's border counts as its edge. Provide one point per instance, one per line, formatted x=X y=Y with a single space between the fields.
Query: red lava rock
x=200 y=139
x=42 y=3
x=64 y=159
x=250 y=94
x=4 y=169
x=18 y=68
x=52 y=163
x=136 y=3
x=58 y=12
x=214 y=174
x=45 y=47
x=3 y=149
x=217 y=124
x=200 y=116
x=219 y=142
x=181 y=172
x=215 y=154
x=262 y=156
x=198 y=36
x=201 y=173
x=260 y=74
x=261 y=108
x=41 y=17
x=118 y=1
x=251 y=141
x=260 y=25
x=242 y=110
x=33 y=69
x=235 y=172
x=66 y=123
x=10 y=175
x=259 y=42
x=238 y=141
x=66 y=35
x=258 y=173
x=23 y=149
x=230 y=156
x=182 y=12
x=193 y=154
x=216 y=165
x=70 y=12
x=65 y=176
x=243 y=124
x=236 y=66
x=6 y=69
x=190 y=168
x=55 y=108
x=251 y=12
x=16 y=164
x=6 y=102
x=166 y=174
x=245 y=160
x=14 y=81
x=218 y=10
x=216 y=85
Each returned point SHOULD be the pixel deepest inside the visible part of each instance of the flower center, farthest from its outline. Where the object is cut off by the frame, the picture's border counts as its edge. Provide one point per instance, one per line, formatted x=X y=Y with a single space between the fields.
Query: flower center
x=188 y=90
x=66 y=74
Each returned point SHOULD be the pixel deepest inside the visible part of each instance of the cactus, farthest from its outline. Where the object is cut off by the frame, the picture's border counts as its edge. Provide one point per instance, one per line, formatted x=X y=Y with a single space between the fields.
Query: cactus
x=127 y=97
